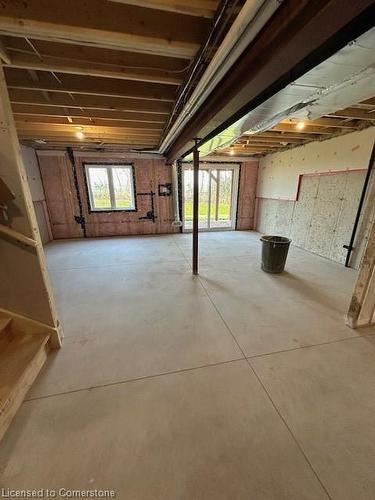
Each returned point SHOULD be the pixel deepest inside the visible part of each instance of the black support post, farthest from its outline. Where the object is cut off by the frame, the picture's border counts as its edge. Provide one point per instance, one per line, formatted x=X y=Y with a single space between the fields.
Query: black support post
x=195 y=207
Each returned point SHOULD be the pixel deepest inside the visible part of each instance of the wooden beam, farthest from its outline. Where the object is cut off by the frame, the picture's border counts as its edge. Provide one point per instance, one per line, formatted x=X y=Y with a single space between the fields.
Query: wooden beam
x=31 y=297
x=46 y=127
x=46 y=114
x=200 y=8
x=282 y=135
x=268 y=139
x=321 y=122
x=17 y=236
x=107 y=87
x=60 y=123
x=35 y=98
x=4 y=54
x=284 y=127
x=354 y=114
x=76 y=67
x=367 y=104
x=55 y=32
x=66 y=140
x=362 y=305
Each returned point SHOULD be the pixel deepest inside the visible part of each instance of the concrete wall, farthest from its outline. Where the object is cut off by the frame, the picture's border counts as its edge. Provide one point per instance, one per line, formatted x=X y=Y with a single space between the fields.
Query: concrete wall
x=328 y=178
x=62 y=201
x=37 y=192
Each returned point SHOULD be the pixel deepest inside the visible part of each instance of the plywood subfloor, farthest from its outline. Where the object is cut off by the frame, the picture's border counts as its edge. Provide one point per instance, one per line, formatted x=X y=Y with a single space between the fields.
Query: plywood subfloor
x=236 y=384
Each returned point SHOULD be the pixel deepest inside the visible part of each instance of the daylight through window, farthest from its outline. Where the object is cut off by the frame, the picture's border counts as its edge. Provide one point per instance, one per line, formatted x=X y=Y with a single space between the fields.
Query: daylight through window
x=111 y=187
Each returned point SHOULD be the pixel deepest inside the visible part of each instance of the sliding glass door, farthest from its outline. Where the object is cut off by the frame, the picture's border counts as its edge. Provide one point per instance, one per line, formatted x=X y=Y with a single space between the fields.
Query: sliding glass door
x=218 y=186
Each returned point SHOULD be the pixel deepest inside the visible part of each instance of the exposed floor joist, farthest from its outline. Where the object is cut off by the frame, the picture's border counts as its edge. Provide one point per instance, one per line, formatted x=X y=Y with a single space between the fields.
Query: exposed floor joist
x=36 y=98
x=98 y=62
x=288 y=133
x=74 y=84
x=71 y=66
x=201 y=8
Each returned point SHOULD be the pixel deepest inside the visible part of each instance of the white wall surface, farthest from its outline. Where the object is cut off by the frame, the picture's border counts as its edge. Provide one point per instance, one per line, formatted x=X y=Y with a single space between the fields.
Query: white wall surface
x=322 y=219
x=279 y=173
x=33 y=174
x=37 y=191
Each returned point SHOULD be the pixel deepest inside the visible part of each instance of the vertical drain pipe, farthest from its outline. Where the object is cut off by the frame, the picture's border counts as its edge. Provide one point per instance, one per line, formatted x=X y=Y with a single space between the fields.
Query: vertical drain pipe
x=80 y=219
x=195 y=206
x=175 y=195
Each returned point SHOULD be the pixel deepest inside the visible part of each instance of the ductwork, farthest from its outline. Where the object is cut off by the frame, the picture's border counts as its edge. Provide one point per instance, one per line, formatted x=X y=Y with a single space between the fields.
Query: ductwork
x=253 y=16
x=346 y=78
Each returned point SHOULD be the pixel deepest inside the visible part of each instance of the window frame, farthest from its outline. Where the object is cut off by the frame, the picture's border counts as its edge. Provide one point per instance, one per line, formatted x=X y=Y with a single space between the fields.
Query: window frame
x=108 y=166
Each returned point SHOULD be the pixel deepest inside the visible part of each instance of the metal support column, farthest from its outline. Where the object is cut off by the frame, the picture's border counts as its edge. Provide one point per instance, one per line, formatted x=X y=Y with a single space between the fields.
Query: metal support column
x=195 y=207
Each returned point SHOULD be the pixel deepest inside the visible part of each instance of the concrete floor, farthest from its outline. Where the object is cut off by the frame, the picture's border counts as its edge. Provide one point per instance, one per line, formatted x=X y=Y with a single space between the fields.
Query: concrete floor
x=234 y=385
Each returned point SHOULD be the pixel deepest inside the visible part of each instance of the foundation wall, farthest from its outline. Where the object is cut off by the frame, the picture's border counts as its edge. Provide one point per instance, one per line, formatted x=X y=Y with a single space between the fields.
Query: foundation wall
x=311 y=195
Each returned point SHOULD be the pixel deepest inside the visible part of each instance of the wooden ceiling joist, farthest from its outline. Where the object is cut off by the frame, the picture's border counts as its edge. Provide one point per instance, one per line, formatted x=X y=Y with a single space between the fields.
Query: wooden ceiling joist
x=276 y=140
x=55 y=32
x=323 y=122
x=73 y=84
x=49 y=114
x=88 y=102
x=287 y=127
x=143 y=129
x=201 y=8
x=4 y=54
x=355 y=114
x=93 y=140
x=31 y=62
x=79 y=121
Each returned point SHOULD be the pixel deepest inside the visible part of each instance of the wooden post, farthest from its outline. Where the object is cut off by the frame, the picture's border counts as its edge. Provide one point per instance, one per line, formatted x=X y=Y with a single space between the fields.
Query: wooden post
x=25 y=290
x=195 y=207
x=362 y=305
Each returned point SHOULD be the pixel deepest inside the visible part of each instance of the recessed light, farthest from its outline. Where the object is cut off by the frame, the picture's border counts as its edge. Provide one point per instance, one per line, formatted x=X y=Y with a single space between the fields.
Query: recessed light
x=300 y=125
x=80 y=135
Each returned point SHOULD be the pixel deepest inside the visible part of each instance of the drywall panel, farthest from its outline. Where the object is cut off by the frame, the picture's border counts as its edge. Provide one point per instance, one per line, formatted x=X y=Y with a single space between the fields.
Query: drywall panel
x=323 y=223
x=303 y=210
x=284 y=217
x=344 y=226
x=279 y=173
x=322 y=219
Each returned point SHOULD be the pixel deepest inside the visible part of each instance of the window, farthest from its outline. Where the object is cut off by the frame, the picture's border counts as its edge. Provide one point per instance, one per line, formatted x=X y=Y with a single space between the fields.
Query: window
x=110 y=187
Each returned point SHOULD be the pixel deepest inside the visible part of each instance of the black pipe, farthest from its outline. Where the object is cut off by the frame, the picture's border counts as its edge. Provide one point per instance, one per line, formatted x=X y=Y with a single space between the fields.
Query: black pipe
x=350 y=247
x=81 y=218
x=195 y=208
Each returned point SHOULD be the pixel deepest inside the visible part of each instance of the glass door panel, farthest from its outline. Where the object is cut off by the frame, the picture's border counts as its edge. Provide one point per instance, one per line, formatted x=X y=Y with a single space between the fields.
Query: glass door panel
x=217 y=198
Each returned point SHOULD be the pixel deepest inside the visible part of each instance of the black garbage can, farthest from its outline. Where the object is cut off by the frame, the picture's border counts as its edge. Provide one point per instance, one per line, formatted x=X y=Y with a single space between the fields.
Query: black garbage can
x=274 y=253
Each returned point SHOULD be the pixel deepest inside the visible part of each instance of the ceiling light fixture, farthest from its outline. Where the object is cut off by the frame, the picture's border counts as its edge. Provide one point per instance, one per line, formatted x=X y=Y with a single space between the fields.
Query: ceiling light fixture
x=300 y=125
x=80 y=135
